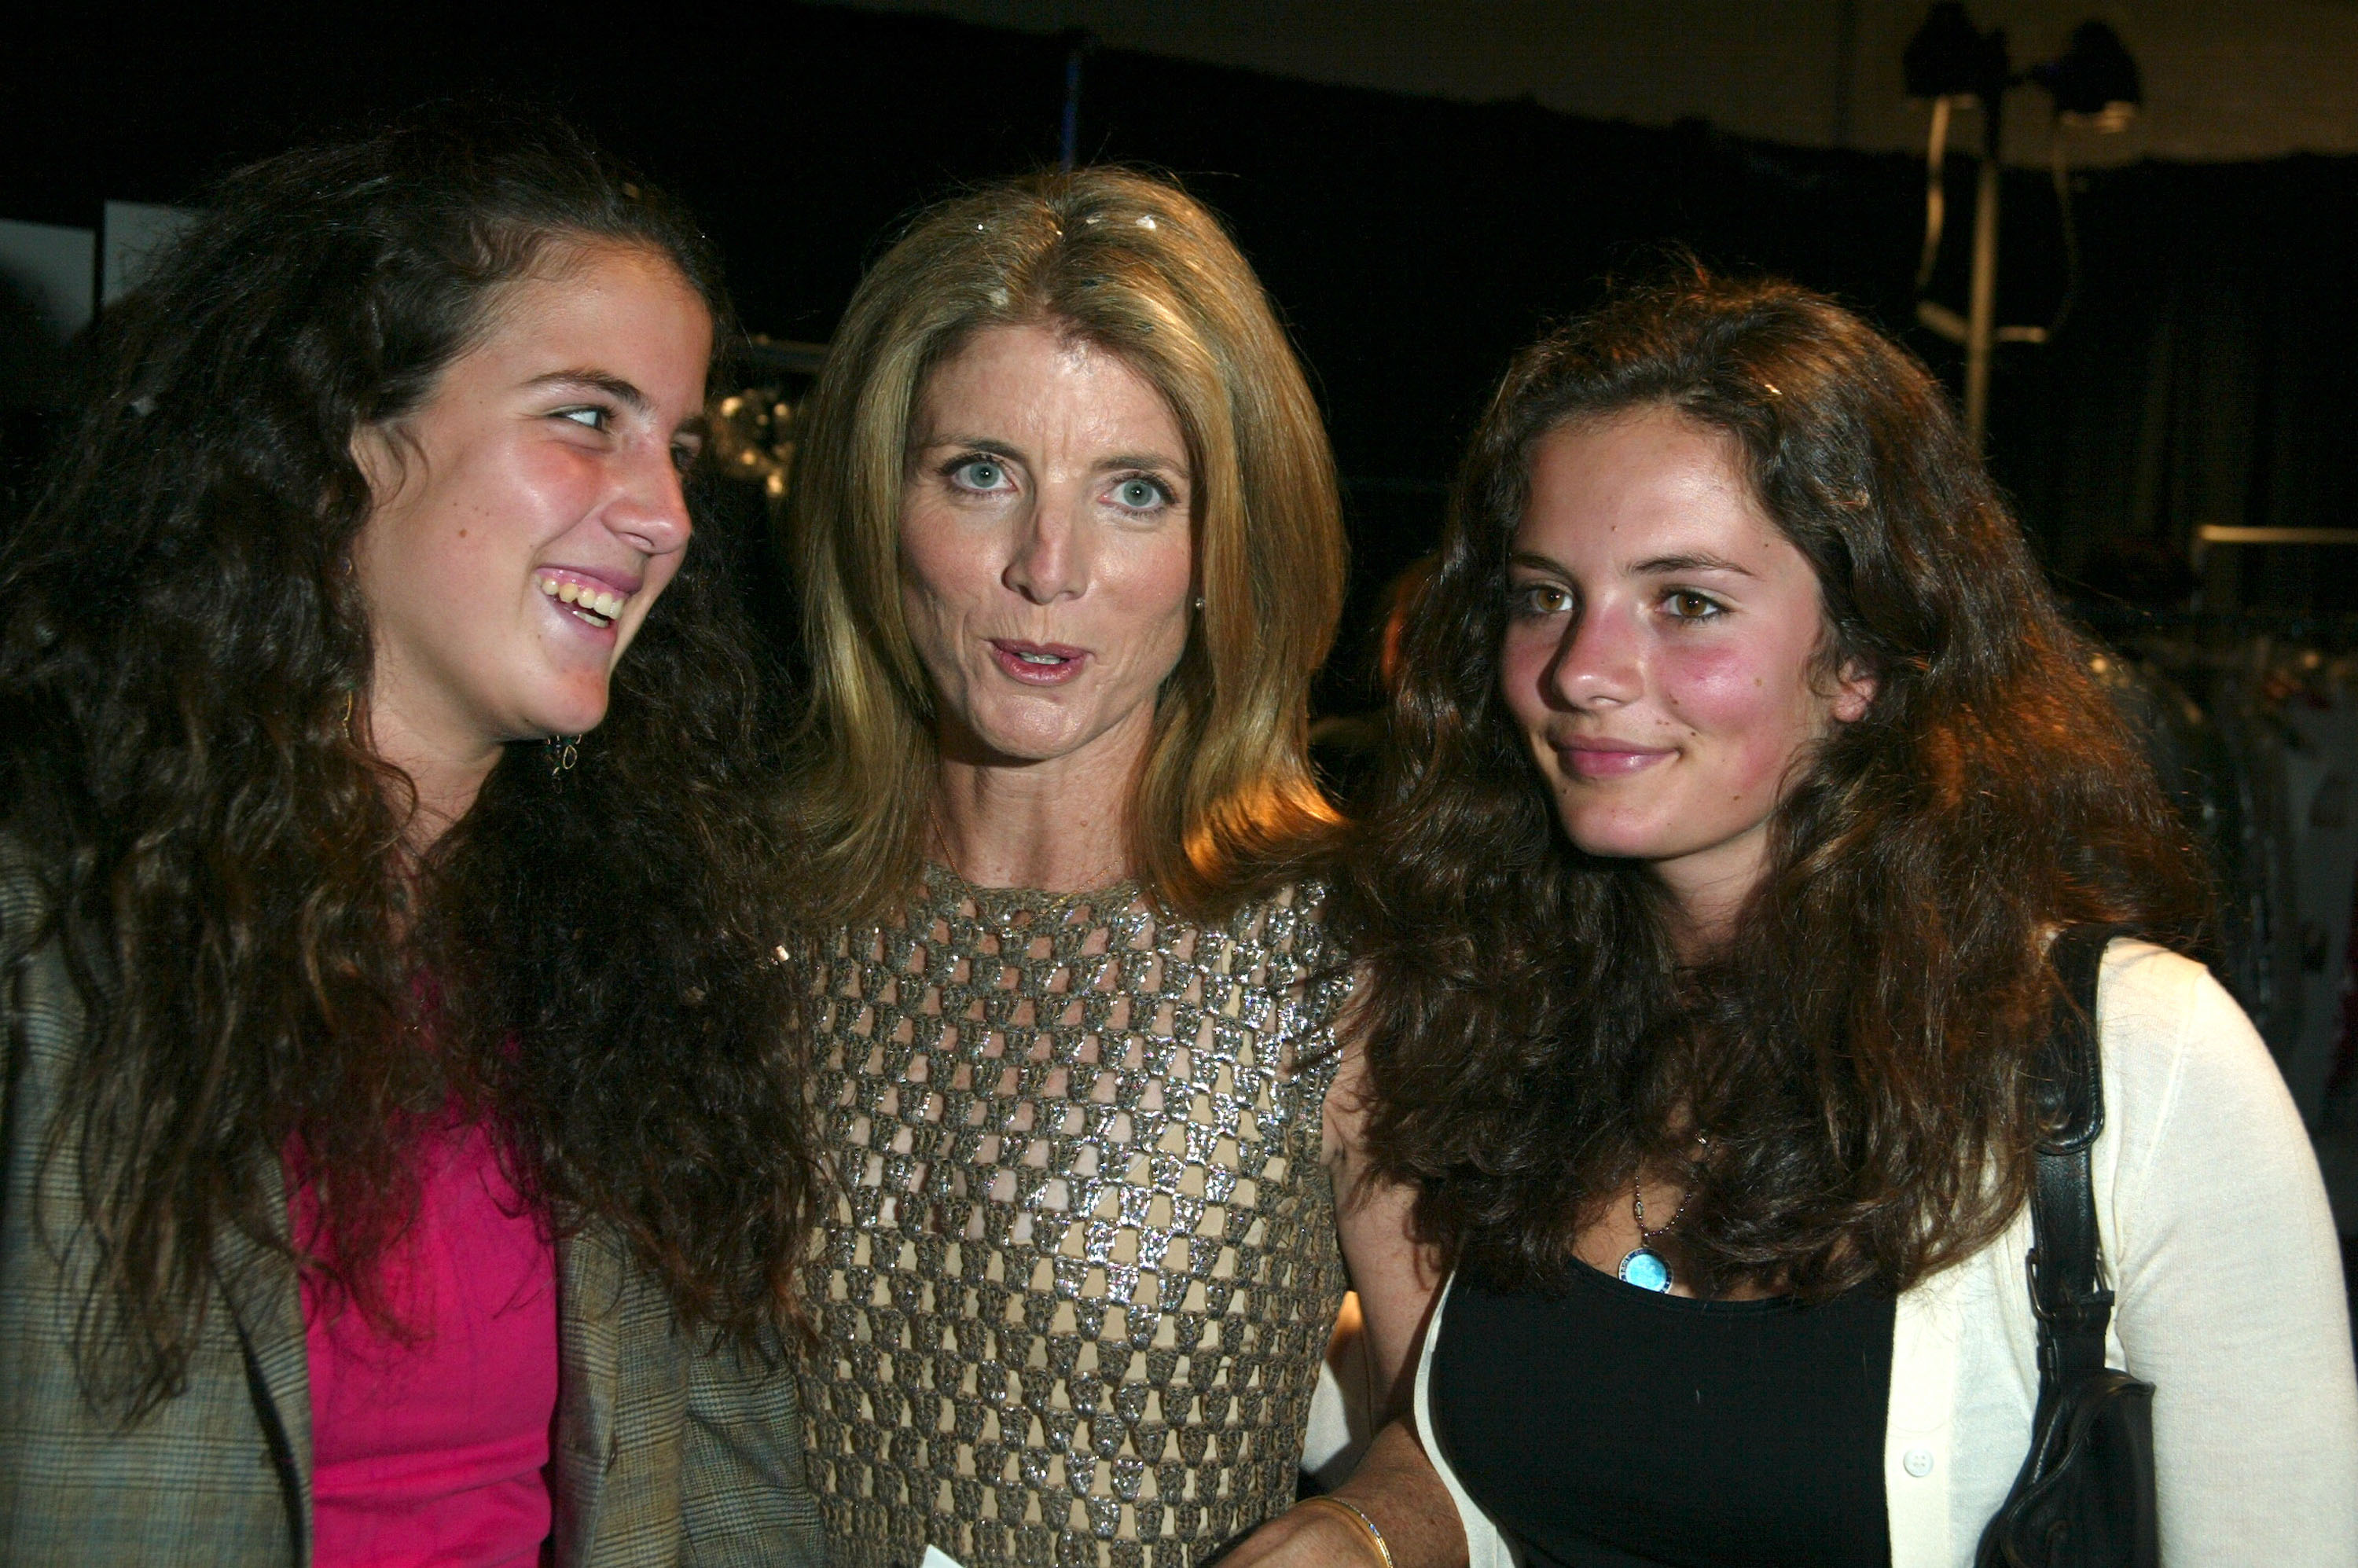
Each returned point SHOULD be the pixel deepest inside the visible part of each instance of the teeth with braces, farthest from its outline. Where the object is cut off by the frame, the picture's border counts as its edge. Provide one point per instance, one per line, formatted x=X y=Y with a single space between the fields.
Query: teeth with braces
x=595 y=606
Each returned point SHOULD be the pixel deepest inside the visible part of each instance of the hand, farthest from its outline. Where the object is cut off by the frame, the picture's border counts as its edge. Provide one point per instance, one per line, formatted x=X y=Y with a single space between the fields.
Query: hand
x=1398 y=1487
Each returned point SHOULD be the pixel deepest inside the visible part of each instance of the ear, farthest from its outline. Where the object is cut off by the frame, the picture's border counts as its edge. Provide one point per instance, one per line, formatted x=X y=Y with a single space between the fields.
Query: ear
x=1853 y=692
x=378 y=456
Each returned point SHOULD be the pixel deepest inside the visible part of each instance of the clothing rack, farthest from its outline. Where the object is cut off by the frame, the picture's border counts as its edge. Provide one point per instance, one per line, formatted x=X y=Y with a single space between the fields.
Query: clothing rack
x=2251 y=721
x=2210 y=533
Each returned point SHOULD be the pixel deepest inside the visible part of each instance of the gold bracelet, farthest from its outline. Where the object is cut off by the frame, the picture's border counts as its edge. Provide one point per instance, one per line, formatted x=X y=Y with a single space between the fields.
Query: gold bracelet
x=1359 y=1517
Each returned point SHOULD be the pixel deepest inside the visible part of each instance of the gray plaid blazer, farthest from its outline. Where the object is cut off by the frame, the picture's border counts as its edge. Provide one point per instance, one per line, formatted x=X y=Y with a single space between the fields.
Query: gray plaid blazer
x=663 y=1452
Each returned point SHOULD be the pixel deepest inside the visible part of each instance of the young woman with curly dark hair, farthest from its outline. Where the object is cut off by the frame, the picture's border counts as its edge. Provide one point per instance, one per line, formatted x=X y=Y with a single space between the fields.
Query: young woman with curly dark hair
x=1742 y=770
x=403 y=1148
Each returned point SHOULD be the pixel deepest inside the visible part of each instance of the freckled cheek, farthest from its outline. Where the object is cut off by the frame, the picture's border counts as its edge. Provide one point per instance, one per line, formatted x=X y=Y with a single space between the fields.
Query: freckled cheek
x=548 y=490
x=947 y=571
x=1522 y=667
x=1143 y=595
x=1753 y=707
x=933 y=622
x=1724 y=687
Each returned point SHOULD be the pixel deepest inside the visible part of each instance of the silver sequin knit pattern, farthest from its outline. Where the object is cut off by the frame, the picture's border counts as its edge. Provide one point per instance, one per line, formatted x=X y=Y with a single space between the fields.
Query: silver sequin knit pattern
x=1082 y=1268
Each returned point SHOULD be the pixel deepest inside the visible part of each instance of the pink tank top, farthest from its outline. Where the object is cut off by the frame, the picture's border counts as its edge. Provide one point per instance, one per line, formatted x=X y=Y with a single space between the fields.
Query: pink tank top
x=432 y=1445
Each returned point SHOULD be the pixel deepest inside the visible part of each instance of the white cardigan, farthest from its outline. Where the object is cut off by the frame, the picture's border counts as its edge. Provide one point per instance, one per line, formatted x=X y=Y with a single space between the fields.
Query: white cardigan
x=2231 y=1302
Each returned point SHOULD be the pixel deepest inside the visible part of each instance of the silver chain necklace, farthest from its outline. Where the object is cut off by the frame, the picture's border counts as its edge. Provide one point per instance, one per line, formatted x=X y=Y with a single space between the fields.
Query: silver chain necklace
x=1643 y=1266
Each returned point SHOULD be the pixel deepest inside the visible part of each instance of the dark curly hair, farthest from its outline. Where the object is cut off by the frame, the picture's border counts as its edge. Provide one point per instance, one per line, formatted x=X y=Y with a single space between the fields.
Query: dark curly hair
x=1859 y=1049
x=180 y=641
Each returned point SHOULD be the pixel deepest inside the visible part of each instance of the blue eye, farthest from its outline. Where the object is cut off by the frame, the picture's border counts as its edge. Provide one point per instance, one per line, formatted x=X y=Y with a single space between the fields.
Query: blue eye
x=980 y=473
x=1140 y=494
x=590 y=419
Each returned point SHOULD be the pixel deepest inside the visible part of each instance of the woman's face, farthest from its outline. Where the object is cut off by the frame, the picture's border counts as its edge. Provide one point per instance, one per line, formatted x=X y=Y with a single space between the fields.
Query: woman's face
x=1662 y=652
x=1046 y=550
x=528 y=514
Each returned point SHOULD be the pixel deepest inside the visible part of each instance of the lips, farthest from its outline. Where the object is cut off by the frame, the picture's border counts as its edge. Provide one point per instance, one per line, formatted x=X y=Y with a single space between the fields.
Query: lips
x=1037 y=664
x=1601 y=759
x=592 y=599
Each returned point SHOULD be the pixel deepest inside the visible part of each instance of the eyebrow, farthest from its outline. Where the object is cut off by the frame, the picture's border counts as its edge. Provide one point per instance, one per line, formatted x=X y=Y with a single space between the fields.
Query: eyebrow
x=1655 y=565
x=1003 y=450
x=1170 y=466
x=971 y=443
x=1689 y=561
x=613 y=387
x=622 y=392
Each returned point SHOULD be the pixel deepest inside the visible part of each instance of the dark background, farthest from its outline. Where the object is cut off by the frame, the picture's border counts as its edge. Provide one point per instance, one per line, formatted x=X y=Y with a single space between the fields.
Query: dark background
x=1411 y=243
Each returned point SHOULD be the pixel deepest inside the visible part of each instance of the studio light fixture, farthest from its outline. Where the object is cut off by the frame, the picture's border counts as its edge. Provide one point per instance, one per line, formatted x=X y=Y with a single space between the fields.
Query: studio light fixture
x=2093 y=81
x=2093 y=85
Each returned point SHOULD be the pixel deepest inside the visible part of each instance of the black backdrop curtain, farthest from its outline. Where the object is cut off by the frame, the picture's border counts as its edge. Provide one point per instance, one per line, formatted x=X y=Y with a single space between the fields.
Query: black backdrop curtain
x=1412 y=243
x=2205 y=378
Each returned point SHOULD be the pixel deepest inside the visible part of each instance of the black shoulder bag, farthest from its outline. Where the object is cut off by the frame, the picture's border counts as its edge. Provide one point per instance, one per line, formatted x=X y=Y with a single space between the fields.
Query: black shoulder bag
x=2085 y=1496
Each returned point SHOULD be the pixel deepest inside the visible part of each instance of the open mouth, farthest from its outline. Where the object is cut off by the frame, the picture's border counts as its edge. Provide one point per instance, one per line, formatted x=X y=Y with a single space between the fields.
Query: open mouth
x=592 y=605
x=1040 y=663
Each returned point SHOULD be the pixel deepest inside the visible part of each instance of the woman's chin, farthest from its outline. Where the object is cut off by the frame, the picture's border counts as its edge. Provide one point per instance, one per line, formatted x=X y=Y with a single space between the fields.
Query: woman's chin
x=570 y=719
x=572 y=707
x=1019 y=745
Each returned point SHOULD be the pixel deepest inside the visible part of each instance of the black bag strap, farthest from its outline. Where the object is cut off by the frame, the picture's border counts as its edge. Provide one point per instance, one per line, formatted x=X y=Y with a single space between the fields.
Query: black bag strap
x=2067 y=1288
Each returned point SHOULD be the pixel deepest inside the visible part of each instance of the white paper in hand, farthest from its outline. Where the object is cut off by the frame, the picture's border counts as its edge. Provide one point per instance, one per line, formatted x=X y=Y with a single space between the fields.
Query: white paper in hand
x=936 y=1558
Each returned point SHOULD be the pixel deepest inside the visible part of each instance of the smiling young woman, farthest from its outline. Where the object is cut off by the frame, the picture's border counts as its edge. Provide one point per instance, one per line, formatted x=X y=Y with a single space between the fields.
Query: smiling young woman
x=1742 y=770
x=405 y=1156
x=529 y=515
x=1663 y=654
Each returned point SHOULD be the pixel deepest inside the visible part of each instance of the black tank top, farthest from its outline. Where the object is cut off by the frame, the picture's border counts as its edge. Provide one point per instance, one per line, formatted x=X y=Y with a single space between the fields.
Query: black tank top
x=1613 y=1426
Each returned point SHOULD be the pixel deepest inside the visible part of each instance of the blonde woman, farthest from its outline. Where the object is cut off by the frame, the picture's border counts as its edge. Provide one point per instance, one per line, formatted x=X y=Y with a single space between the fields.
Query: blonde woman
x=1069 y=553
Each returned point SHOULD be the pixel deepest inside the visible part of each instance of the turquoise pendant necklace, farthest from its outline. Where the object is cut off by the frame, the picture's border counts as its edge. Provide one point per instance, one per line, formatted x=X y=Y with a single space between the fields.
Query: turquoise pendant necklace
x=1643 y=1266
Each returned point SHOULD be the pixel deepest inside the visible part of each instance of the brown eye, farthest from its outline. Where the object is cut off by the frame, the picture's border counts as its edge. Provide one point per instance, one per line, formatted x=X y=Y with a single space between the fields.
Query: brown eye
x=1685 y=604
x=1536 y=599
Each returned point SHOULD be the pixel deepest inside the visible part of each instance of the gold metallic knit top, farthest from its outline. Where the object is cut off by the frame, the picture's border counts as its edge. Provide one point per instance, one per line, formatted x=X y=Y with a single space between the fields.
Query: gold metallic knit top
x=1082 y=1266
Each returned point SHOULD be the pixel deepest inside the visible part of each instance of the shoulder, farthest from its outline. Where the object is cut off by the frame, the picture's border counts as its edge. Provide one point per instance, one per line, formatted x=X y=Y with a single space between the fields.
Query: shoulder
x=2145 y=987
x=2183 y=1067
x=2163 y=1019
x=1290 y=917
x=1283 y=940
x=1280 y=946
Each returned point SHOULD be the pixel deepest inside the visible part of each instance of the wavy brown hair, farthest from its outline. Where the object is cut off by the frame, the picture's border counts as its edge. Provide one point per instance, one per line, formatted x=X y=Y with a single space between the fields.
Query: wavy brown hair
x=1226 y=803
x=1860 y=1049
x=589 y=959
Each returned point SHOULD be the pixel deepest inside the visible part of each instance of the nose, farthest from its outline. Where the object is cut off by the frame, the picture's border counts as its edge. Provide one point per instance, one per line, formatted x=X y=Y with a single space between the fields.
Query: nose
x=649 y=509
x=1051 y=556
x=1601 y=661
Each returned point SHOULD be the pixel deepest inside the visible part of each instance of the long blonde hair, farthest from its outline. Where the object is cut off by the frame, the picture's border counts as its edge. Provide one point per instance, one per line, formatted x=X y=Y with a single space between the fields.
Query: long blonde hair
x=1226 y=804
